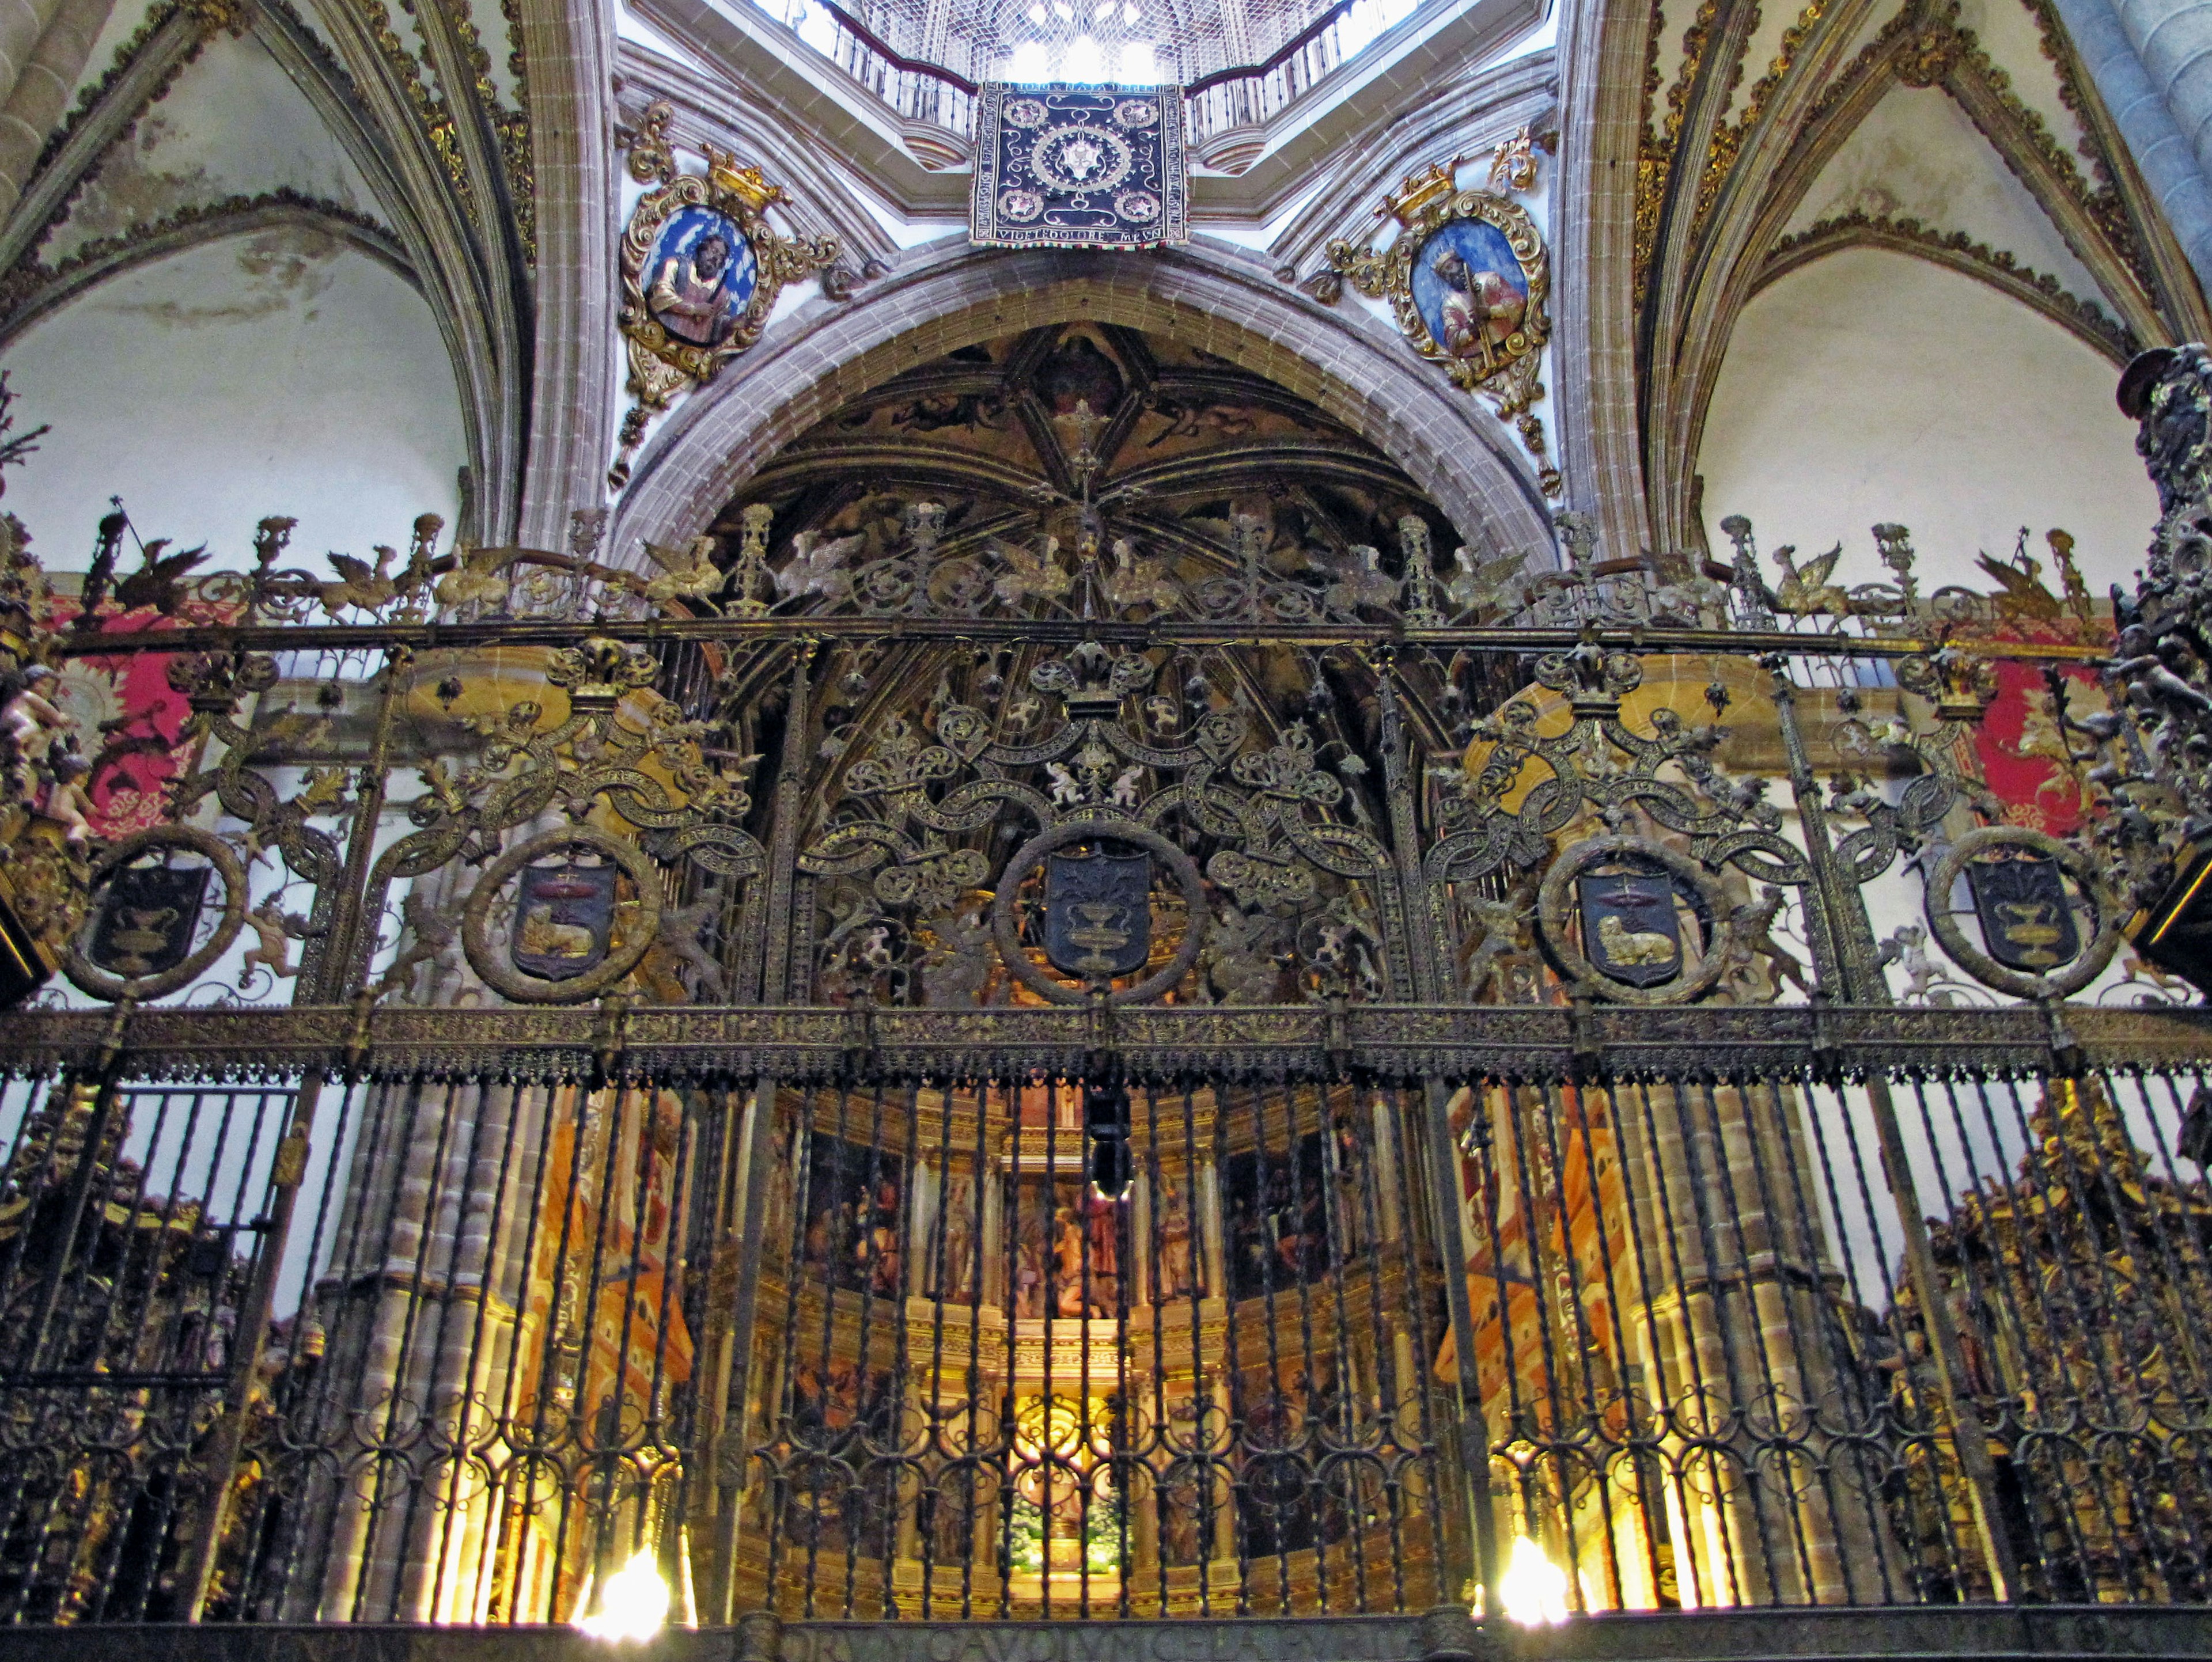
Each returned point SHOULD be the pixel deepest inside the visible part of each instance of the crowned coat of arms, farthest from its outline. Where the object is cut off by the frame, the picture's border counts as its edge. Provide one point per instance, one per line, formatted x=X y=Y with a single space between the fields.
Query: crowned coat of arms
x=1469 y=279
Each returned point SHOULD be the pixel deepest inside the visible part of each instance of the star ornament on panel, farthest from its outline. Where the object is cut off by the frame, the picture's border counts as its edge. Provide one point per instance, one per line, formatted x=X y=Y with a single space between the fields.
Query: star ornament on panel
x=1079 y=167
x=1469 y=281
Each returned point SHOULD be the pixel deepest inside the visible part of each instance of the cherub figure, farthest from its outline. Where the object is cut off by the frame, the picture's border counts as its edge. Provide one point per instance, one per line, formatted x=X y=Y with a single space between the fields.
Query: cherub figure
x=274 y=929
x=1907 y=948
x=67 y=805
x=1067 y=789
x=29 y=722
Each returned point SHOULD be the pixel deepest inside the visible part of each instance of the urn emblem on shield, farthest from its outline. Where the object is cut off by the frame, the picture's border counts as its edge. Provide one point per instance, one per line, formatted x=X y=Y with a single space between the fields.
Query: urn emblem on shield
x=1098 y=911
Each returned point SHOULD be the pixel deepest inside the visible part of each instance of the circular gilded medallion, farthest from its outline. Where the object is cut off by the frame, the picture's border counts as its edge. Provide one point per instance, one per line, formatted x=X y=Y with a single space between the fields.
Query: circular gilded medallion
x=1138 y=207
x=1023 y=112
x=1135 y=112
x=1081 y=159
x=1020 y=205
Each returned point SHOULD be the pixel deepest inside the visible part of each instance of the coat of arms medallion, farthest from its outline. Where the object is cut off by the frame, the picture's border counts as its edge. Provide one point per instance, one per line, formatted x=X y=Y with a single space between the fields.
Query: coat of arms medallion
x=1469 y=281
x=701 y=267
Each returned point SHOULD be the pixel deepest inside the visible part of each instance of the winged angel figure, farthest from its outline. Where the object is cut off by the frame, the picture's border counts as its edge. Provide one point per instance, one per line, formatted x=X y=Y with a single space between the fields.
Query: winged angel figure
x=817 y=566
x=1026 y=574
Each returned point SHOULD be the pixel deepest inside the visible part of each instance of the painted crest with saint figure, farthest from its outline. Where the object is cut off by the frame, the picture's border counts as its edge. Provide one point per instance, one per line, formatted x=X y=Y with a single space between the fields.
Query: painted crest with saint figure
x=1468 y=278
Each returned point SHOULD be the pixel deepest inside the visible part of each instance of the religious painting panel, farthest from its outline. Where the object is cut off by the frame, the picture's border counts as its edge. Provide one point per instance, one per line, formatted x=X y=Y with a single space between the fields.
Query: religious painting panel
x=855 y=1208
x=1277 y=1212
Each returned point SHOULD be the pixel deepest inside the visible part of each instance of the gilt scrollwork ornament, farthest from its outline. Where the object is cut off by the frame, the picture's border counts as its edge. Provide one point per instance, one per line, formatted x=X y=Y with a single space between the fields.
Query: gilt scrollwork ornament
x=1469 y=280
x=701 y=267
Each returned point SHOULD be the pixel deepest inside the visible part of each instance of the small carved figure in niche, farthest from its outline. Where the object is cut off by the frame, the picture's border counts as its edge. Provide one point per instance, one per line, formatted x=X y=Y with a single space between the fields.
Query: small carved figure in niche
x=1174 y=1274
x=877 y=1249
x=1028 y=1271
x=958 y=1278
x=1104 y=1221
x=1068 y=1262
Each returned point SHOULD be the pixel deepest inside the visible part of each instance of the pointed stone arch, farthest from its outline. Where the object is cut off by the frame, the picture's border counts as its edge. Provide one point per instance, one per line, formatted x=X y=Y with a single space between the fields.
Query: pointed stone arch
x=948 y=296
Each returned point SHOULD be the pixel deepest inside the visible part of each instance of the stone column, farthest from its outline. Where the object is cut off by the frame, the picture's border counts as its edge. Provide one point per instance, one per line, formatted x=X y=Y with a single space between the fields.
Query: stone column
x=43 y=48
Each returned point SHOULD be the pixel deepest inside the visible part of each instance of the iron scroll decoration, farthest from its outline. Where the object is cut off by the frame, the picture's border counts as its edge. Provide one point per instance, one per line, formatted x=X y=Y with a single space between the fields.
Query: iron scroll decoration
x=1006 y=930
x=1555 y=901
x=638 y=929
x=219 y=854
x=2063 y=979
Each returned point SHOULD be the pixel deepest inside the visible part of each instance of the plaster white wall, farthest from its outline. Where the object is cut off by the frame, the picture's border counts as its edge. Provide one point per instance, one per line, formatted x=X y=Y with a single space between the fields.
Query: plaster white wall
x=1917 y=155
x=233 y=124
x=1872 y=386
x=279 y=372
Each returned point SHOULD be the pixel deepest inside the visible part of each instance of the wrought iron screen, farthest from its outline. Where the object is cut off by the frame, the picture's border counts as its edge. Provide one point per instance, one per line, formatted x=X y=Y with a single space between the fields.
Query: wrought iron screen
x=899 y=1074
